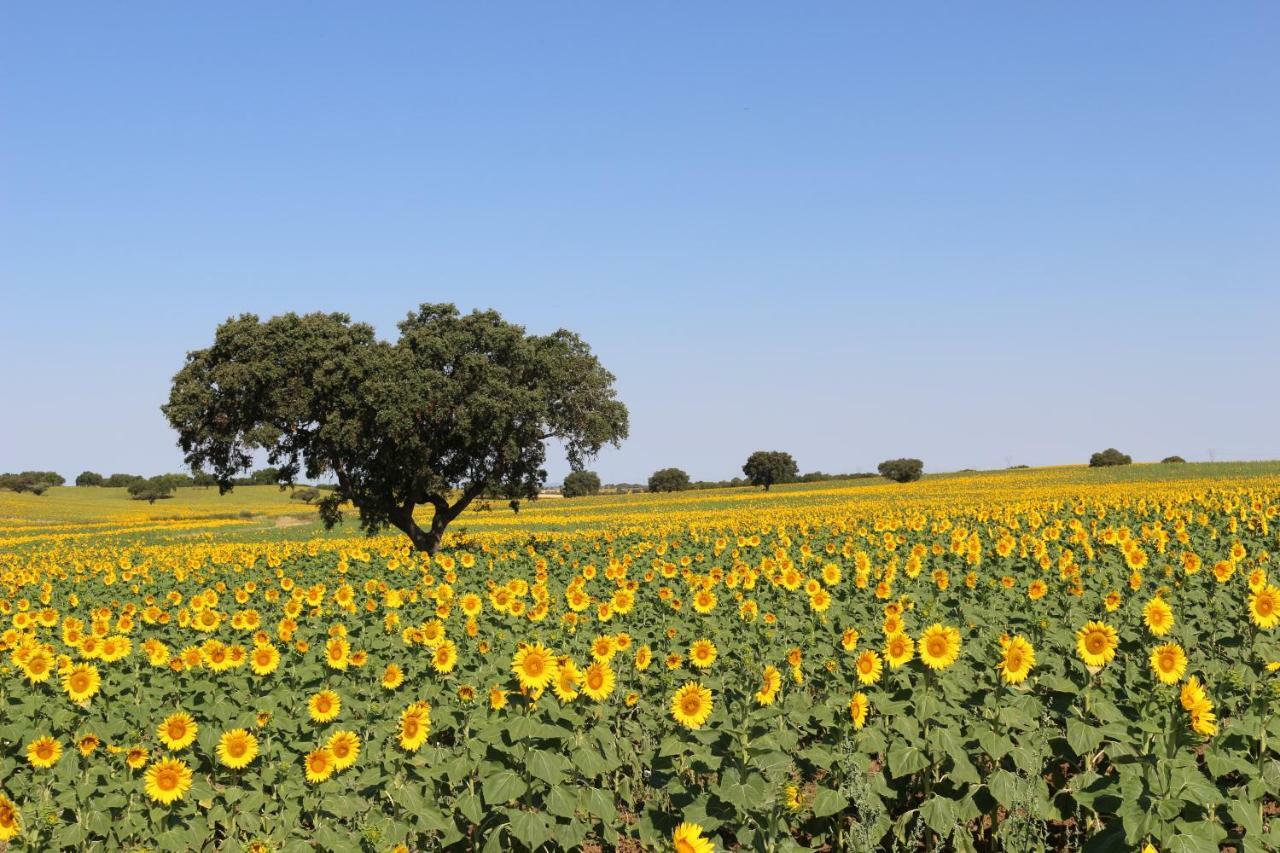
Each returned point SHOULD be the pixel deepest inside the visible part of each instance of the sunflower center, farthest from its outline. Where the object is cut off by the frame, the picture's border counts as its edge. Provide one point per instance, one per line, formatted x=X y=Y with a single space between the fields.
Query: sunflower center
x=166 y=780
x=595 y=680
x=691 y=704
x=1096 y=643
x=937 y=646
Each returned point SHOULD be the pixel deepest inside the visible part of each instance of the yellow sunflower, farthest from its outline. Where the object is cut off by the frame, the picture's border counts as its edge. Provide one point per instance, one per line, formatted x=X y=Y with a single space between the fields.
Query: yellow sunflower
x=567 y=680
x=345 y=748
x=771 y=683
x=44 y=752
x=939 y=646
x=415 y=725
x=81 y=682
x=534 y=666
x=869 y=667
x=1018 y=658
x=691 y=705
x=324 y=706
x=598 y=681
x=859 y=705
x=1158 y=616
x=319 y=765
x=1264 y=606
x=899 y=648
x=702 y=654
x=1096 y=643
x=1169 y=662
x=178 y=731
x=688 y=838
x=10 y=819
x=168 y=780
x=237 y=748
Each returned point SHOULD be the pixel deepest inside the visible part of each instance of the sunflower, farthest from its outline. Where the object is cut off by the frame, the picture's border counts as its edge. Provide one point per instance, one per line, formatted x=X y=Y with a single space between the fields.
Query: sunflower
x=899 y=648
x=644 y=657
x=702 y=654
x=770 y=685
x=136 y=757
x=939 y=646
x=566 y=682
x=324 y=706
x=10 y=819
x=1169 y=662
x=319 y=765
x=44 y=752
x=534 y=665
x=264 y=659
x=81 y=682
x=445 y=657
x=168 y=780
x=691 y=705
x=688 y=839
x=178 y=731
x=858 y=708
x=345 y=747
x=237 y=748
x=598 y=681
x=1096 y=643
x=1017 y=659
x=392 y=676
x=868 y=667
x=1158 y=616
x=1264 y=606
x=497 y=698
x=88 y=744
x=415 y=725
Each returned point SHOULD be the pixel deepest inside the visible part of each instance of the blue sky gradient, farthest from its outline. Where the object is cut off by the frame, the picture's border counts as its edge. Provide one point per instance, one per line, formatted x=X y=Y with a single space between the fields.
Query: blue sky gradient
x=981 y=234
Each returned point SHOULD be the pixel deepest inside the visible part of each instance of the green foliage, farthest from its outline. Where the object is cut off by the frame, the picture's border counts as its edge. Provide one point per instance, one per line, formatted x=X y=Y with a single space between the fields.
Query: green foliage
x=152 y=489
x=669 y=480
x=90 y=478
x=1172 y=460
x=34 y=482
x=1108 y=457
x=457 y=407
x=306 y=495
x=579 y=484
x=120 y=481
x=901 y=470
x=766 y=467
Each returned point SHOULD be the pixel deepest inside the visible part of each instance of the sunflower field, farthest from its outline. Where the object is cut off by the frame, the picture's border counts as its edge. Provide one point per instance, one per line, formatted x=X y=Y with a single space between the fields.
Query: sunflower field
x=1031 y=662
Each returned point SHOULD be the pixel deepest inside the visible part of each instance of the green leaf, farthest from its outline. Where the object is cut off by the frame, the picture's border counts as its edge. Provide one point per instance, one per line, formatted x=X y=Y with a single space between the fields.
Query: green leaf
x=529 y=827
x=828 y=802
x=547 y=766
x=1004 y=787
x=469 y=805
x=1083 y=737
x=939 y=814
x=905 y=759
x=503 y=787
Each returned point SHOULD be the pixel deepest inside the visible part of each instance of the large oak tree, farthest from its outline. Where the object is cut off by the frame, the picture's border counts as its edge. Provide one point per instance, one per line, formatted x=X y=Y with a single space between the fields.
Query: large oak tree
x=459 y=406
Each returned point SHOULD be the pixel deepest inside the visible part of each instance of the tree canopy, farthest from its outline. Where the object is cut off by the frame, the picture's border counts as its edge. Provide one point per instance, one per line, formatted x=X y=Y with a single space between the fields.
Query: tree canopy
x=90 y=478
x=579 y=484
x=901 y=470
x=458 y=406
x=669 y=480
x=152 y=489
x=766 y=467
x=1108 y=457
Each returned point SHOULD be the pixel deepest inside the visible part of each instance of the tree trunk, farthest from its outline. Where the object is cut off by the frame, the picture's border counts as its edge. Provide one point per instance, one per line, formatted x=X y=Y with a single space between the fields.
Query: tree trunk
x=429 y=540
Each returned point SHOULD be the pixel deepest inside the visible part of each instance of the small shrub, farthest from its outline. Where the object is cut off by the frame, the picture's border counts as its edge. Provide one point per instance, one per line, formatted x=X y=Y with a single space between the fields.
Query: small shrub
x=1172 y=460
x=1109 y=457
x=901 y=470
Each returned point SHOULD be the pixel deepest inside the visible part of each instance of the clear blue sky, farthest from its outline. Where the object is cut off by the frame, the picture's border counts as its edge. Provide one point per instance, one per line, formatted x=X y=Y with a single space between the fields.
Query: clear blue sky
x=980 y=234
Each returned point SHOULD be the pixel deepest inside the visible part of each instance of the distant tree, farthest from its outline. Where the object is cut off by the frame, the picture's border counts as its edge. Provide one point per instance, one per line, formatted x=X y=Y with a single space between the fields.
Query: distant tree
x=34 y=482
x=1109 y=457
x=89 y=478
x=151 y=489
x=265 y=476
x=306 y=495
x=1018 y=467
x=579 y=484
x=119 y=481
x=901 y=470
x=766 y=467
x=457 y=406
x=203 y=479
x=669 y=480
x=1172 y=460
